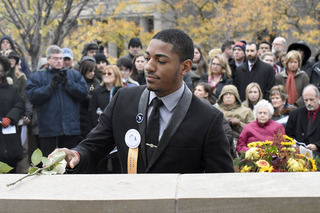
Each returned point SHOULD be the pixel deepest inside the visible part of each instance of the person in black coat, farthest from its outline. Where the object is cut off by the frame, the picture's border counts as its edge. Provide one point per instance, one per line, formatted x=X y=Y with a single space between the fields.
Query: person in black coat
x=299 y=127
x=260 y=72
x=102 y=95
x=191 y=136
x=11 y=109
x=88 y=69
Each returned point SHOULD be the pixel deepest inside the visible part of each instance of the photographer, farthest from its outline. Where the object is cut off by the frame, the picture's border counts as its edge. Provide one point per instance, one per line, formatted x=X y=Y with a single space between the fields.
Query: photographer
x=56 y=93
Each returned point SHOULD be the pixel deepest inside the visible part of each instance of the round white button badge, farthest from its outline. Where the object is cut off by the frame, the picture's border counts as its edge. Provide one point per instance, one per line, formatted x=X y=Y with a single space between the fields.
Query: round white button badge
x=132 y=138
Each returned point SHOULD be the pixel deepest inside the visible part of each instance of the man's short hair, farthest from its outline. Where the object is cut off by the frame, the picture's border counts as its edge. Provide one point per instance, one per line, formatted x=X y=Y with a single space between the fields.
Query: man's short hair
x=125 y=63
x=227 y=44
x=53 y=49
x=251 y=43
x=182 y=43
x=265 y=42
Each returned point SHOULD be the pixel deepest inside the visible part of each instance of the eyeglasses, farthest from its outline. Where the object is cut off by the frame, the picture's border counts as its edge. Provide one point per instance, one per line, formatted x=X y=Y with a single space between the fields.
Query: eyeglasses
x=214 y=64
x=108 y=73
x=57 y=58
x=91 y=71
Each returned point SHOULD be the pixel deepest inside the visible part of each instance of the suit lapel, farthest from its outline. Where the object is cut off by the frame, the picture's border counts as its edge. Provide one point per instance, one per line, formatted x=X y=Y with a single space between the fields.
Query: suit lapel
x=175 y=121
x=142 y=110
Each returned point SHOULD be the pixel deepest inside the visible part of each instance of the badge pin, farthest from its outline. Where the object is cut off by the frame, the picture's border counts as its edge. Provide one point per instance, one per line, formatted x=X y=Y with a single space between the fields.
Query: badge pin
x=139 y=118
x=132 y=138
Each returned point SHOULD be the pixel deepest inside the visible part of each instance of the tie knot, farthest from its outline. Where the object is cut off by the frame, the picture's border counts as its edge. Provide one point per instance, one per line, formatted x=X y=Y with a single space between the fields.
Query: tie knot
x=156 y=102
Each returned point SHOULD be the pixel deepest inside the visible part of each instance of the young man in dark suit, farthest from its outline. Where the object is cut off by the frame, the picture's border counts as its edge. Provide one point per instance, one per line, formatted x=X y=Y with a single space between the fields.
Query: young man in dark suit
x=304 y=123
x=190 y=136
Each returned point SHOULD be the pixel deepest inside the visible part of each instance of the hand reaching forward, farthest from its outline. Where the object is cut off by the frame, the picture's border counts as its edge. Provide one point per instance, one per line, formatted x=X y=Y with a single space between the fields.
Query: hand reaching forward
x=72 y=157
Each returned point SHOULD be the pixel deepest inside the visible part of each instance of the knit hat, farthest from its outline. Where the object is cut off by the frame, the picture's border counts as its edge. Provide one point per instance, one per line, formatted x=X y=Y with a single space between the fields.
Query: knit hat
x=134 y=42
x=241 y=44
x=100 y=57
x=67 y=53
x=90 y=46
x=41 y=63
x=14 y=55
x=85 y=58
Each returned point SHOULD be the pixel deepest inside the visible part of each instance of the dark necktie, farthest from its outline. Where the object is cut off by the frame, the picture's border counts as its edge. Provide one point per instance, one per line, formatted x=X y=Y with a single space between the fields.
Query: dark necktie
x=153 y=128
x=309 y=123
x=251 y=65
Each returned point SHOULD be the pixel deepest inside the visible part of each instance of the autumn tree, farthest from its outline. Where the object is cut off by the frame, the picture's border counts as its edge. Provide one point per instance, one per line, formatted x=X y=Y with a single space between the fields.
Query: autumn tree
x=210 y=22
x=35 y=24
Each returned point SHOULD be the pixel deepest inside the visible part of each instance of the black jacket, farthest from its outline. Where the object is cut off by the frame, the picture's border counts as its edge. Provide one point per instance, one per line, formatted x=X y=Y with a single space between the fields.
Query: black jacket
x=185 y=146
x=100 y=99
x=261 y=73
x=11 y=106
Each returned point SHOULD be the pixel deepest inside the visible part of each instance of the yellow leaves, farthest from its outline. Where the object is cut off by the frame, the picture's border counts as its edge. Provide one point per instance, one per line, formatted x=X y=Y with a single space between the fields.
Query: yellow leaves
x=99 y=9
x=121 y=6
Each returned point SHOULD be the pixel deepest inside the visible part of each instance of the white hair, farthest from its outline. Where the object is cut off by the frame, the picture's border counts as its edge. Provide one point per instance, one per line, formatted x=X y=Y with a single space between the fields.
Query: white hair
x=263 y=104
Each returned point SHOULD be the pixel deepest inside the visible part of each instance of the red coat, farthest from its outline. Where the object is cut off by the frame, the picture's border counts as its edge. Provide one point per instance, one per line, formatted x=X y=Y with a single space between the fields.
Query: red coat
x=253 y=132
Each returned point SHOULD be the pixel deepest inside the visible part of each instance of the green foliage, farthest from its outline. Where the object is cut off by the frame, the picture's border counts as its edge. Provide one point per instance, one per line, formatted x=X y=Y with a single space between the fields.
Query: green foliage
x=55 y=165
x=36 y=157
x=5 y=168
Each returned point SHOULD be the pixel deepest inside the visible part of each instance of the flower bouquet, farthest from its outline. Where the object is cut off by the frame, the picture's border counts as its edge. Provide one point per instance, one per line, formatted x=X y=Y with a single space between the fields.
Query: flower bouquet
x=278 y=155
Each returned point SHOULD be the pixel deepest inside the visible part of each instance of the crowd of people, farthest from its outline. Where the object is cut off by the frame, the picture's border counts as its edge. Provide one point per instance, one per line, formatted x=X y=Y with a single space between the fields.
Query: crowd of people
x=249 y=90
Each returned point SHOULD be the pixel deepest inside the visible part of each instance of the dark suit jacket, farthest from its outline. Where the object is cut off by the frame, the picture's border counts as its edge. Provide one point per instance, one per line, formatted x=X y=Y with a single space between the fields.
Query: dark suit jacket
x=297 y=127
x=193 y=142
x=261 y=73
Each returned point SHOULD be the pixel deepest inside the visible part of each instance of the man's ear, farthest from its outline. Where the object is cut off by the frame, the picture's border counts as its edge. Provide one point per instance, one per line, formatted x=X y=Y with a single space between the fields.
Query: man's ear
x=186 y=66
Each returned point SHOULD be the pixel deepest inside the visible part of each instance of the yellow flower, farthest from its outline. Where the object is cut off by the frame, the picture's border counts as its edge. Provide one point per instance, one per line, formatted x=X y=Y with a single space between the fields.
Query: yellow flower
x=266 y=169
x=268 y=142
x=313 y=164
x=252 y=154
x=296 y=165
x=246 y=169
x=290 y=143
x=300 y=155
x=288 y=138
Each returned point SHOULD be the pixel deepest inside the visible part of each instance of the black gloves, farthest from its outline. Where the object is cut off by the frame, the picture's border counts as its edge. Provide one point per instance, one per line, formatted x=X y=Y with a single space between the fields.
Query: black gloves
x=59 y=78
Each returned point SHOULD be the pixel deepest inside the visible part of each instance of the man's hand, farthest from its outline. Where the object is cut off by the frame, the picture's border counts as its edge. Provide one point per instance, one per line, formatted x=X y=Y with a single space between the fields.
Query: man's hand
x=312 y=147
x=72 y=157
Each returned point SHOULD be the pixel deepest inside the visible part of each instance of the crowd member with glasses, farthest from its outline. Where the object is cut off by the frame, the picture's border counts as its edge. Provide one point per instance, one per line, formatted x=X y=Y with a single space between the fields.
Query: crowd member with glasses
x=219 y=74
x=101 y=97
x=125 y=67
x=278 y=46
x=88 y=69
x=56 y=93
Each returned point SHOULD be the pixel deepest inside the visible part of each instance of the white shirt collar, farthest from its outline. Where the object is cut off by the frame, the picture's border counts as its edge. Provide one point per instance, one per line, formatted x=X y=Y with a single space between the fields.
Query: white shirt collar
x=170 y=101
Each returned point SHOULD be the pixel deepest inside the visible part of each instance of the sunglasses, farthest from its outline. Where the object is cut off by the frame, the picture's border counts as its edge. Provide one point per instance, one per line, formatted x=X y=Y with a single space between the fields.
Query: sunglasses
x=108 y=73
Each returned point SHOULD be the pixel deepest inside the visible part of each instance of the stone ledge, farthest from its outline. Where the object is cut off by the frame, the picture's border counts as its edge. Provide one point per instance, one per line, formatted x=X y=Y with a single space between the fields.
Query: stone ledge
x=251 y=192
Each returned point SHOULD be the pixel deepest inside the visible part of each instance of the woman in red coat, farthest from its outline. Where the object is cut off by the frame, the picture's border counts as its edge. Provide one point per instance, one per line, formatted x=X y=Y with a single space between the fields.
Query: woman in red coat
x=263 y=128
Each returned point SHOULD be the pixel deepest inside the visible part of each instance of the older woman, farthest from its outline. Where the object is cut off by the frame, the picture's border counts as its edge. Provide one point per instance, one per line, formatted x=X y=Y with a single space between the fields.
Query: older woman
x=293 y=79
x=253 y=95
x=219 y=74
x=236 y=114
x=279 y=97
x=263 y=128
x=204 y=92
